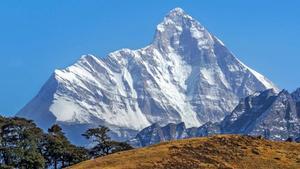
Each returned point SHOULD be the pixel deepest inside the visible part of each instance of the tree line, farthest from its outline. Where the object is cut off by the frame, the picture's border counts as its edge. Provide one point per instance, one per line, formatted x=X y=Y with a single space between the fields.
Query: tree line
x=23 y=145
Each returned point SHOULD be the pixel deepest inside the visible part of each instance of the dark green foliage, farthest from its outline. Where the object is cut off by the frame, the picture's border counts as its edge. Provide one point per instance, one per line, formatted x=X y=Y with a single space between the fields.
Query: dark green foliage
x=121 y=146
x=59 y=152
x=290 y=139
x=19 y=145
x=23 y=145
x=100 y=138
x=56 y=146
x=103 y=144
x=75 y=155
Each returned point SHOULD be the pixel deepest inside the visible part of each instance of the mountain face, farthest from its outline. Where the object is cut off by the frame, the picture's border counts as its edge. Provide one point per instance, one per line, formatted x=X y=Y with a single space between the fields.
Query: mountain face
x=296 y=97
x=185 y=75
x=274 y=116
x=155 y=134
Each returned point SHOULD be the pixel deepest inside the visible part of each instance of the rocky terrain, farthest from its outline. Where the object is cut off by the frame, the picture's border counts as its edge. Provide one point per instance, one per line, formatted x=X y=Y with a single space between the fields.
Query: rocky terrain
x=272 y=115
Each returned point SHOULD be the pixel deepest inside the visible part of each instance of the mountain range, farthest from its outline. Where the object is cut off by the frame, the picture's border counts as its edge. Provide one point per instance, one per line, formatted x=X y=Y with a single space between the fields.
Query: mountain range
x=272 y=115
x=185 y=74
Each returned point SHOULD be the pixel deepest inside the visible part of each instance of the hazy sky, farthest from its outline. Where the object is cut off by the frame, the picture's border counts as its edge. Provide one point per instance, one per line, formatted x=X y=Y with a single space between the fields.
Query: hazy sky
x=37 y=36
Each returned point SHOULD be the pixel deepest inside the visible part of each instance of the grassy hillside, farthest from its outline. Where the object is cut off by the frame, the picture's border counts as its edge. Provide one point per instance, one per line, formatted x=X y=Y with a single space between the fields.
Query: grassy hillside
x=222 y=151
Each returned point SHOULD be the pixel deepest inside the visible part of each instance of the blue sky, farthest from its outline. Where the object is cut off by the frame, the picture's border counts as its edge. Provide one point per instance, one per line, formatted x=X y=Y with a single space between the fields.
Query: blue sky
x=37 y=37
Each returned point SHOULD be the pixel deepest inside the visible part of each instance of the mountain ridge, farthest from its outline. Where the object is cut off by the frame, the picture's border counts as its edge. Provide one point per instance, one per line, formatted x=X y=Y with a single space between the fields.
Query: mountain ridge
x=272 y=115
x=185 y=75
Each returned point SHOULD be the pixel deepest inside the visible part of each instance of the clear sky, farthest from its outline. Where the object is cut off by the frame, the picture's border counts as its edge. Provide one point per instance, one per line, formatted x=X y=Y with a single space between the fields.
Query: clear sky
x=37 y=36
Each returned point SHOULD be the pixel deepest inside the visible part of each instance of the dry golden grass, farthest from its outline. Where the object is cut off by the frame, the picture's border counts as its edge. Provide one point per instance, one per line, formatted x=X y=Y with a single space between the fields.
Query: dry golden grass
x=222 y=151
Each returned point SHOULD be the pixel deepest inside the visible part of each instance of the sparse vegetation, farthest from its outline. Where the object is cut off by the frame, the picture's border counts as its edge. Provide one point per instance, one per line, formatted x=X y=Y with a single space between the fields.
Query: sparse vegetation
x=221 y=151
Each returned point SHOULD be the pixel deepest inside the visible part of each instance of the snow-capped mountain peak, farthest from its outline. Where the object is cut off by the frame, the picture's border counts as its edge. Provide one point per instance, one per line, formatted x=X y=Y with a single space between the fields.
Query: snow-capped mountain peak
x=185 y=75
x=179 y=28
x=177 y=11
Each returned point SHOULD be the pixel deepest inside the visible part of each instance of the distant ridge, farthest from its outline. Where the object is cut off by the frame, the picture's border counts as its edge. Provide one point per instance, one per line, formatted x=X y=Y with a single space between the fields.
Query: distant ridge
x=272 y=115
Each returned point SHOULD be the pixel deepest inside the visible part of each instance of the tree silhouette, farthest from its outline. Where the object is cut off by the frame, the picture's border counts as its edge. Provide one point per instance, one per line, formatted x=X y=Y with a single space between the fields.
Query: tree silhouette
x=19 y=145
x=103 y=144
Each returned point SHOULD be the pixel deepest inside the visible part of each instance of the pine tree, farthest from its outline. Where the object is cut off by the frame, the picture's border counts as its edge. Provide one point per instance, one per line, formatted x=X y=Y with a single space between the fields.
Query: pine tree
x=75 y=155
x=55 y=146
x=100 y=138
x=59 y=152
x=20 y=144
x=24 y=145
x=103 y=144
x=121 y=146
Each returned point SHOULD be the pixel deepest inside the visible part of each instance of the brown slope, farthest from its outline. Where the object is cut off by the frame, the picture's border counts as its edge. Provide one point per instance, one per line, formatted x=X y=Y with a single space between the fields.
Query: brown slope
x=222 y=151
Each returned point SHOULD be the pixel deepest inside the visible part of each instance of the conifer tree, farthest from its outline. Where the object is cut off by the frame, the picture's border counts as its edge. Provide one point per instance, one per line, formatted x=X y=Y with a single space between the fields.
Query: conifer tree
x=103 y=143
x=20 y=146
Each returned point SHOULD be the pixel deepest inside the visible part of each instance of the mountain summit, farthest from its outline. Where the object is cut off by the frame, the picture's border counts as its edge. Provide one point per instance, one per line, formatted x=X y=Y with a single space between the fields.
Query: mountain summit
x=185 y=75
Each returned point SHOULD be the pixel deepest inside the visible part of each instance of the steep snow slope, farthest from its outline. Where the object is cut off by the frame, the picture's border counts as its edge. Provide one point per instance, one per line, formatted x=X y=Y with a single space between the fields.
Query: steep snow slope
x=185 y=75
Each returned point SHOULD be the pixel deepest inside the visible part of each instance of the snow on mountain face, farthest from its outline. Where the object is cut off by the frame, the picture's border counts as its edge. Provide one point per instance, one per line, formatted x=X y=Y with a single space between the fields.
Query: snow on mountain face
x=271 y=115
x=186 y=75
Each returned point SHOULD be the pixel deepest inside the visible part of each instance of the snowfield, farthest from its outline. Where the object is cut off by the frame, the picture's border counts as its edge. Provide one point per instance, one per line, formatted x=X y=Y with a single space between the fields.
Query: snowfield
x=185 y=75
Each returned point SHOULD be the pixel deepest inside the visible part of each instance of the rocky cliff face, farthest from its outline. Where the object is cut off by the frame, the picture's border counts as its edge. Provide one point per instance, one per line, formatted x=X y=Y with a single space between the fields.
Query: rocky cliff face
x=156 y=133
x=274 y=116
x=185 y=75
